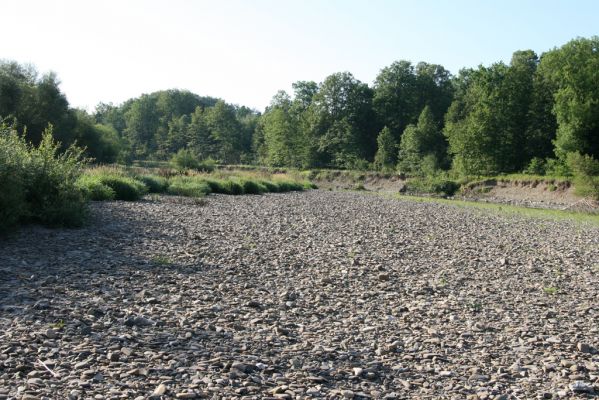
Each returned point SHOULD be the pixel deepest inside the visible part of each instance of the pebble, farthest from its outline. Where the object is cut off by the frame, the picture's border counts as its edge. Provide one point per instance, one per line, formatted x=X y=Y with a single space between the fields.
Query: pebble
x=315 y=294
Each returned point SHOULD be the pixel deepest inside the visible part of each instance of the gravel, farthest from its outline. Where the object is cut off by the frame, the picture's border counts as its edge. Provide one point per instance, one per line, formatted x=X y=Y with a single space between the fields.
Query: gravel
x=301 y=295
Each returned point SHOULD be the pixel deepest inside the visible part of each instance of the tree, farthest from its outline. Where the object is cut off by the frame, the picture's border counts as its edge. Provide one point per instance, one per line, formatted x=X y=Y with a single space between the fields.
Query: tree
x=420 y=141
x=341 y=120
x=401 y=91
x=225 y=131
x=281 y=136
x=573 y=71
x=384 y=159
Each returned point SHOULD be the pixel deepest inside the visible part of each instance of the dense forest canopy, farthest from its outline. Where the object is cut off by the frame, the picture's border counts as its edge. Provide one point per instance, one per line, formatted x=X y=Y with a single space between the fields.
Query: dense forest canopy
x=527 y=115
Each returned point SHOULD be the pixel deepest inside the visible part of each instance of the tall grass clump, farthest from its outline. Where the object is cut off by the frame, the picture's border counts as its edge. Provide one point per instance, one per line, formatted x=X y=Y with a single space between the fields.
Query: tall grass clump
x=125 y=187
x=188 y=186
x=39 y=184
x=154 y=183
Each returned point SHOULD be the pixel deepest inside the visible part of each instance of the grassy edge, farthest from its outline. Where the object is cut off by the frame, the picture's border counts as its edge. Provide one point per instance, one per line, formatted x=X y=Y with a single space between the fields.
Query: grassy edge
x=538 y=213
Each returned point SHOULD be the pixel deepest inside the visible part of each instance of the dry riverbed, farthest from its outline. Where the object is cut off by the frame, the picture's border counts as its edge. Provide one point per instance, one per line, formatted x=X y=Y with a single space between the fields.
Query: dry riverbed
x=300 y=295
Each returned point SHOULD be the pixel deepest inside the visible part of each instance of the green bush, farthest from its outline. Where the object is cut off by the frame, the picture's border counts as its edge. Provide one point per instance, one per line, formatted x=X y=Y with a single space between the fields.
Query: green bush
x=94 y=189
x=586 y=174
x=232 y=187
x=13 y=157
x=185 y=159
x=252 y=187
x=433 y=184
x=39 y=184
x=188 y=186
x=270 y=186
x=536 y=166
x=216 y=186
x=154 y=183
x=556 y=167
x=289 y=186
x=52 y=194
x=124 y=187
x=207 y=165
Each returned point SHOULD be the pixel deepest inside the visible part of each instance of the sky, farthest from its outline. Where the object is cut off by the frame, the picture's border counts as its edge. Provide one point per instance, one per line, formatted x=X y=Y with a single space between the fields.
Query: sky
x=244 y=51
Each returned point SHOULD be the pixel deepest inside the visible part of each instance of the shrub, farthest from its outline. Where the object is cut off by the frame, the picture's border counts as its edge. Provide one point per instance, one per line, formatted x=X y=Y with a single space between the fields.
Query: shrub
x=13 y=156
x=188 y=186
x=94 y=189
x=252 y=187
x=52 y=194
x=154 y=183
x=185 y=159
x=125 y=188
x=232 y=187
x=207 y=165
x=433 y=184
x=536 y=166
x=270 y=186
x=586 y=174
x=556 y=167
x=289 y=186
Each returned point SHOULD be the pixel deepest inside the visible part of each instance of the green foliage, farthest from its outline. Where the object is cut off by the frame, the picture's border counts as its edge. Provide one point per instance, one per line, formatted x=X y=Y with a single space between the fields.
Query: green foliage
x=252 y=187
x=402 y=90
x=52 y=194
x=536 y=166
x=154 y=183
x=421 y=142
x=188 y=186
x=39 y=183
x=586 y=174
x=433 y=184
x=185 y=159
x=94 y=189
x=125 y=187
x=14 y=157
x=573 y=72
x=384 y=159
x=557 y=167
x=207 y=165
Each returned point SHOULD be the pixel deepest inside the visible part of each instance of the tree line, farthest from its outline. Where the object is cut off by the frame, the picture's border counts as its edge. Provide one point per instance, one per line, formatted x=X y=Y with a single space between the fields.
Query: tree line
x=527 y=115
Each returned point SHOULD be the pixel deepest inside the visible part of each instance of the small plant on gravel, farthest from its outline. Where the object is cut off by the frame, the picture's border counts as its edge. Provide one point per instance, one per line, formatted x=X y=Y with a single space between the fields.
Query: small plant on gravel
x=476 y=306
x=58 y=324
x=552 y=290
x=161 y=260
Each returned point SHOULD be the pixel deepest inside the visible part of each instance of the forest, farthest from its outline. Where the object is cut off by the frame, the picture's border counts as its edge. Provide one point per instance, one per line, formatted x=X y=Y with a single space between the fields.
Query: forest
x=417 y=119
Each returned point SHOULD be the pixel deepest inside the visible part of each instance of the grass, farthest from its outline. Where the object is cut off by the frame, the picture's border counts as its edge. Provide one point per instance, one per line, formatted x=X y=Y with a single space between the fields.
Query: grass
x=552 y=290
x=99 y=181
x=559 y=215
x=161 y=260
x=132 y=183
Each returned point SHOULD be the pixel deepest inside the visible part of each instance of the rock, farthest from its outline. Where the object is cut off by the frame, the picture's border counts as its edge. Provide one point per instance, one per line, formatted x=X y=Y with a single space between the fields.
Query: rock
x=158 y=392
x=186 y=395
x=347 y=394
x=584 y=348
x=51 y=334
x=581 y=387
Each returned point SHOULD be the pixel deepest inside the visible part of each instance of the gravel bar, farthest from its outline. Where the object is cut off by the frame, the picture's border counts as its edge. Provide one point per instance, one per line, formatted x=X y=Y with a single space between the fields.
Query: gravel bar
x=301 y=295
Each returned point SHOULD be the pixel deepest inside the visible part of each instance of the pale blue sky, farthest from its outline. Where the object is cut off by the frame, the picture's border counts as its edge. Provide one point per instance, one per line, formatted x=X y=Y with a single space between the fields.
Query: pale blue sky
x=244 y=51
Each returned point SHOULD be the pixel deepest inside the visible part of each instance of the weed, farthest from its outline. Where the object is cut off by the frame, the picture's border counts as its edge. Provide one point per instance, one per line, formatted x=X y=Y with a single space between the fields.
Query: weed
x=161 y=260
x=552 y=290
x=58 y=324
